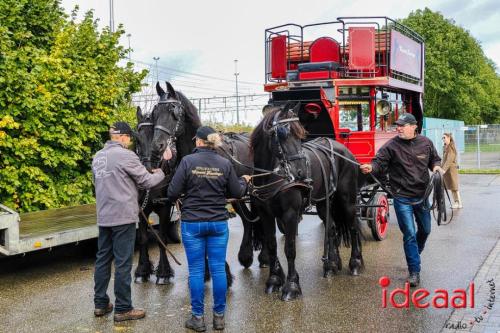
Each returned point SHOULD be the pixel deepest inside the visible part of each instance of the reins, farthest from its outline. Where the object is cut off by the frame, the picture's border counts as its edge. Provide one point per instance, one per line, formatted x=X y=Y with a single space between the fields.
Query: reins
x=144 y=204
x=328 y=224
x=436 y=183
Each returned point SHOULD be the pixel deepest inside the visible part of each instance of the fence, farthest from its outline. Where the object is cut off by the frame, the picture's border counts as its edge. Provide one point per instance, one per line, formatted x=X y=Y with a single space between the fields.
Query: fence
x=478 y=145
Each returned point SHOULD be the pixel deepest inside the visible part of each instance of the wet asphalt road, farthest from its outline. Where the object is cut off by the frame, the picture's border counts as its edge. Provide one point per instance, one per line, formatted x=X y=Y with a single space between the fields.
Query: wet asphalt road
x=52 y=292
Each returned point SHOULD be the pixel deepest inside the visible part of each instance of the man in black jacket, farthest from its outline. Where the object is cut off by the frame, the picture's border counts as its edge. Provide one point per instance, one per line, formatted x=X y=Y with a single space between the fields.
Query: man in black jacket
x=407 y=159
x=206 y=179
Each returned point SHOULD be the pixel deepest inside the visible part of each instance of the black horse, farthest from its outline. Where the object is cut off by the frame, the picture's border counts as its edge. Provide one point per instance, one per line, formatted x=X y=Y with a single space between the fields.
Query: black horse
x=176 y=121
x=236 y=148
x=302 y=174
x=153 y=201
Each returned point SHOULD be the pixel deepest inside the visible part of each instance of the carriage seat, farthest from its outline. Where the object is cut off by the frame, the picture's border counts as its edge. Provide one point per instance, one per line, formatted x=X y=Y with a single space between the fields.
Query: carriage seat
x=318 y=66
x=319 y=70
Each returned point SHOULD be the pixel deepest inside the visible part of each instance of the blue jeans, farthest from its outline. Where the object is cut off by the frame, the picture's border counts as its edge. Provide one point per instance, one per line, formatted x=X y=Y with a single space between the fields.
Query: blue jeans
x=114 y=243
x=209 y=239
x=414 y=241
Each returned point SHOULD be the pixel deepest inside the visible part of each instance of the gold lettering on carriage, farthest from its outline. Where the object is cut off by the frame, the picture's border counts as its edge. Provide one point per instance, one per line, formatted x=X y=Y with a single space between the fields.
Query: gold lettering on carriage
x=206 y=172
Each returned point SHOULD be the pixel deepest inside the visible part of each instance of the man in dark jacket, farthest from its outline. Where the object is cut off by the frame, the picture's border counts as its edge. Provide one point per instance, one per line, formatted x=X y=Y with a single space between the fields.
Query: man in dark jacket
x=117 y=173
x=206 y=179
x=407 y=159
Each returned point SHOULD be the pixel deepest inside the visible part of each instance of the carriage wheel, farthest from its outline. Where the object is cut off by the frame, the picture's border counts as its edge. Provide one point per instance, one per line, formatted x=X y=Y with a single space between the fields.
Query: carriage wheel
x=380 y=215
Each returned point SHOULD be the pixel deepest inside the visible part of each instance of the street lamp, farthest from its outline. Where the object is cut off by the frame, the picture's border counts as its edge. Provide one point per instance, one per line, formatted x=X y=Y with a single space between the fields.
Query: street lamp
x=237 y=102
x=156 y=64
x=129 y=49
x=111 y=16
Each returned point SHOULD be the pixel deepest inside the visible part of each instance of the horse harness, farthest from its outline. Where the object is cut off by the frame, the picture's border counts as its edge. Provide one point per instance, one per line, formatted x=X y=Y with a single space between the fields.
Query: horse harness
x=280 y=130
x=171 y=137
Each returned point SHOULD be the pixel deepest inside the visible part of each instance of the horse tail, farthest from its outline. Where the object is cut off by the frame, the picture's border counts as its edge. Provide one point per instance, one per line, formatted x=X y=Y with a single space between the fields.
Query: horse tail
x=346 y=198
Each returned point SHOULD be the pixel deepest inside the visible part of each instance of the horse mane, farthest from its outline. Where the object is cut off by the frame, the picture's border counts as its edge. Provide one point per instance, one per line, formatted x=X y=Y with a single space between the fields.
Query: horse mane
x=191 y=110
x=261 y=131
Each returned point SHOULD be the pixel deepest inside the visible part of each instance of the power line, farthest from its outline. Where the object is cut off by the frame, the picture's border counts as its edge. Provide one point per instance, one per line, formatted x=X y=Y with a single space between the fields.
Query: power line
x=192 y=84
x=195 y=74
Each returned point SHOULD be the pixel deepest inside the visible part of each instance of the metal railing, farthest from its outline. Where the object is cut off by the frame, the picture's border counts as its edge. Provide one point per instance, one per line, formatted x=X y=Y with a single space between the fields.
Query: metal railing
x=478 y=145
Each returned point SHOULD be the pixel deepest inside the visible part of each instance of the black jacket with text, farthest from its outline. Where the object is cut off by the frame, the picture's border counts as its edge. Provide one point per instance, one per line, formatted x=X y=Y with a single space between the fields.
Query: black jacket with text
x=408 y=163
x=206 y=179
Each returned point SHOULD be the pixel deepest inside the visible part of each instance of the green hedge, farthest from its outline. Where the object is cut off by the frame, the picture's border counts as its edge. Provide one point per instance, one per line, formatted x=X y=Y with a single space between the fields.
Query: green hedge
x=60 y=88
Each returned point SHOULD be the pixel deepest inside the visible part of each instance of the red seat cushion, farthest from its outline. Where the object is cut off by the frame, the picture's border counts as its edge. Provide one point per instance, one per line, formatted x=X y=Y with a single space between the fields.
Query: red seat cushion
x=324 y=49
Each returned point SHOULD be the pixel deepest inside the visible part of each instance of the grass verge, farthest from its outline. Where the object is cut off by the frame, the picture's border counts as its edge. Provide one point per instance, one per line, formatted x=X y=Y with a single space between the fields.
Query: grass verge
x=479 y=171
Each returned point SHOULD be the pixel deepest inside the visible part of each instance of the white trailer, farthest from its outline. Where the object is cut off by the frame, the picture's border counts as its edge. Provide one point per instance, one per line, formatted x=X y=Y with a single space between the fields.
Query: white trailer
x=45 y=229
x=22 y=233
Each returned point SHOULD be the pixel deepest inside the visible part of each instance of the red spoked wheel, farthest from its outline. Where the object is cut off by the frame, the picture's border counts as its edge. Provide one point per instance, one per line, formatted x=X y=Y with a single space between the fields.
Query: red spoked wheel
x=379 y=216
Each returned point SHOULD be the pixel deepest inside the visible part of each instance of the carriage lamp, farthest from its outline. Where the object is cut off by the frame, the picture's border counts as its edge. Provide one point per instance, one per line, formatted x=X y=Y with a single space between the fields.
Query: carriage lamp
x=313 y=108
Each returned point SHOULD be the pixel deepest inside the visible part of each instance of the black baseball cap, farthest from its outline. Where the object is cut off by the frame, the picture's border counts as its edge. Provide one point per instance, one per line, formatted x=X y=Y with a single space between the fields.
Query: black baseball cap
x=121 y=127
x=406 y=118
x=204 y=131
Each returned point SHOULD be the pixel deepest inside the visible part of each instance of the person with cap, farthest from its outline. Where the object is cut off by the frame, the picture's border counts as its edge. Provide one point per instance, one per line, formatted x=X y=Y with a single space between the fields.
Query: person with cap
x=206 y=179
x=117 y=174
x=407 y=159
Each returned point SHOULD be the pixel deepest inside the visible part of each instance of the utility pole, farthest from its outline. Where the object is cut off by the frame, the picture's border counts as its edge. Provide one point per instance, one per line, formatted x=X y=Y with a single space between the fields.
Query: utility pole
x=129 y=49
x=156 y=65
x=111 y=16
x=237 y=102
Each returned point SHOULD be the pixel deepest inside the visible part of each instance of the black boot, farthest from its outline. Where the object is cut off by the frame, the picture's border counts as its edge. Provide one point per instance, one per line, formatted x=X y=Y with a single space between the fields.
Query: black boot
x=219 y=322
x=414 y=279
x=196 y=323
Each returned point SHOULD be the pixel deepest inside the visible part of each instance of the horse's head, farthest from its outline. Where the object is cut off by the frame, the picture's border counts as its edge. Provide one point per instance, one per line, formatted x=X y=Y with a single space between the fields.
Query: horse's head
x=144 y=138
x=168 y=119
x=284 y=135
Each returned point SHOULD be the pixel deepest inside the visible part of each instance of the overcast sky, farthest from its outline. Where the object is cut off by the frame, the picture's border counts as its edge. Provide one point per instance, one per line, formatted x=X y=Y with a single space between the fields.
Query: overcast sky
x=204 y=37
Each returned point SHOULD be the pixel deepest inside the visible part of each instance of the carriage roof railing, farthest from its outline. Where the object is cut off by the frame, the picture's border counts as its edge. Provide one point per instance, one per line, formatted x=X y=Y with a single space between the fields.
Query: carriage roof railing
x=297 y=47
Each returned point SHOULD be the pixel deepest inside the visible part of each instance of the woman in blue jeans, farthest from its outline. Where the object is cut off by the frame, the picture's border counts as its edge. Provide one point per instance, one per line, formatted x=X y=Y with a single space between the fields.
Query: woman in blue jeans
x=206 y=179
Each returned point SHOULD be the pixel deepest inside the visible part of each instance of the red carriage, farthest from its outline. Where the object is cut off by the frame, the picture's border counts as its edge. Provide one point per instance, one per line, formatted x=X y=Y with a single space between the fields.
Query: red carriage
x=353 y=77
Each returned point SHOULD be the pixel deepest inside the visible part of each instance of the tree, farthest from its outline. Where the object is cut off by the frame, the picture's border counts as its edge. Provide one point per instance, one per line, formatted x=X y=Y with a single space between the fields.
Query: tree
x=460 y=81
x=61 y=87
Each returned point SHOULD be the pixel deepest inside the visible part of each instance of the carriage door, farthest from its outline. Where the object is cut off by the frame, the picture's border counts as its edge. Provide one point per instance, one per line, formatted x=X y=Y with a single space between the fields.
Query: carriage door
x=354 y=122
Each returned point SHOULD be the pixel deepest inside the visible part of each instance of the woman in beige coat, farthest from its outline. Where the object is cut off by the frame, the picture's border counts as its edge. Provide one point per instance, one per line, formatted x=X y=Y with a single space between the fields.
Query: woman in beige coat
x=450 y=168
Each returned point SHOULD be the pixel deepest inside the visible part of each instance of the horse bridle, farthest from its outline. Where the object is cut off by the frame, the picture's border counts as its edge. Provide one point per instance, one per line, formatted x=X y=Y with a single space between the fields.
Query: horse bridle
x=171 y=136
x=145 y=158
x=278 y=126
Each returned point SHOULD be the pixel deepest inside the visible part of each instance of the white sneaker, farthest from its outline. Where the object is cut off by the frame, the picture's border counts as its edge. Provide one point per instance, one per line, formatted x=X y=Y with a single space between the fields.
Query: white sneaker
x=455 y=206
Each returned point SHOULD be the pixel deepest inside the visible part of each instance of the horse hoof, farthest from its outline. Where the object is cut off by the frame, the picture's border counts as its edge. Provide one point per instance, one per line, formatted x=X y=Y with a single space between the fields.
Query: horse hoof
x=290 y=296
x=273 y=284
x=272 y=288
x=330 y=268
x=140 y=279
x=356 y=267
x=245 y=261
x=291 y=291
x=263 y=260
x=164 y=280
